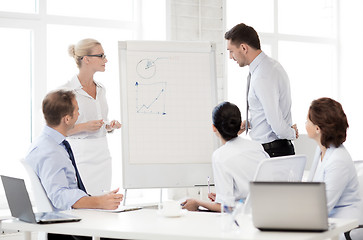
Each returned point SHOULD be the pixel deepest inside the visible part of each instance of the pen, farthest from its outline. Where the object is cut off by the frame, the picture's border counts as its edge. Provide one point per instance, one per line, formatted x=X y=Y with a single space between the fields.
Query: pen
x=108 y=192
x=208 y=185
x=237 y=209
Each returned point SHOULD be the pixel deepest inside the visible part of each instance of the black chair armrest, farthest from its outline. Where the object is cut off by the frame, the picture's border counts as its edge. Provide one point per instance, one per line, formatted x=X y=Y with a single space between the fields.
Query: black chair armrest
x=347 y=234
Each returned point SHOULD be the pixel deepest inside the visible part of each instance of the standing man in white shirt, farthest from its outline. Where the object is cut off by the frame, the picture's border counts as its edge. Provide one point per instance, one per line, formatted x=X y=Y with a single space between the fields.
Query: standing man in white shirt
x=268 y=93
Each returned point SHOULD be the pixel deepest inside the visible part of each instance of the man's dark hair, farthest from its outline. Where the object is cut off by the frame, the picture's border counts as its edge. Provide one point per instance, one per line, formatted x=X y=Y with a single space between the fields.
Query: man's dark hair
x=56 y=105
x=242 y=33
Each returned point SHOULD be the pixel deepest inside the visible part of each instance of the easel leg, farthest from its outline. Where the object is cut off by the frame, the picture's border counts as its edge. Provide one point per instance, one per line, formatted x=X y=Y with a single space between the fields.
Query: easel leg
x=27 y=235
x=125 y=197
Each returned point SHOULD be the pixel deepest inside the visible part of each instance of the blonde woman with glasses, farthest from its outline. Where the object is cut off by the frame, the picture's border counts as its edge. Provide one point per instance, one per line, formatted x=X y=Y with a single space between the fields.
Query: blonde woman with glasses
x=88 y=137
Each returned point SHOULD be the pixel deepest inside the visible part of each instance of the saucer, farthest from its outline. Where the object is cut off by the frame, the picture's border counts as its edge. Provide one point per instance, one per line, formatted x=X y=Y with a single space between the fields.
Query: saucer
x=172 y=214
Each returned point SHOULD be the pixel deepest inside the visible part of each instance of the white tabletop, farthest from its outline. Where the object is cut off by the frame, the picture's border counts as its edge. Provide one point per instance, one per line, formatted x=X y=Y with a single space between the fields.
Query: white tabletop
x=148 y=224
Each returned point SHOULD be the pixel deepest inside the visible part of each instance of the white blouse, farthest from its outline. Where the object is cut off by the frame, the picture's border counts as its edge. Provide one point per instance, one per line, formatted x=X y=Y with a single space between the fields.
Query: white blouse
x=234 y=166
x=89 y=108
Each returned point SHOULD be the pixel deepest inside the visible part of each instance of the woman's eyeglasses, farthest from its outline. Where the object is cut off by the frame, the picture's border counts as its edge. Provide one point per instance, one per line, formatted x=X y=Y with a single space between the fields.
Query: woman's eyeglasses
x=103 y=56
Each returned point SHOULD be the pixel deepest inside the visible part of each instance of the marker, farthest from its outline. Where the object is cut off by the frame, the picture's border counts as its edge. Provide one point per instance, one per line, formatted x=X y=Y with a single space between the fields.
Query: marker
x=208 y=185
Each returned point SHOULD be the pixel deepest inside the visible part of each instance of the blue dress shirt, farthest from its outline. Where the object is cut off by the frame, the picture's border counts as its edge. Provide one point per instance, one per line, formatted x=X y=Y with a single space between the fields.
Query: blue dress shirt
x=50 y=161
x=269 y=100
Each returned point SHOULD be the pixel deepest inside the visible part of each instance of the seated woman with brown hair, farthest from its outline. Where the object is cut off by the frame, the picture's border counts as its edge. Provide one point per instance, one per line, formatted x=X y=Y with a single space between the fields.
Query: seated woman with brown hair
x=327 y=124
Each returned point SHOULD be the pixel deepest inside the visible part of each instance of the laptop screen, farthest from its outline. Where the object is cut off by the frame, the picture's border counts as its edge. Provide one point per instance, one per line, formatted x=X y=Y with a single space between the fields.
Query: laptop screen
x=21 y=207
x=18 y=199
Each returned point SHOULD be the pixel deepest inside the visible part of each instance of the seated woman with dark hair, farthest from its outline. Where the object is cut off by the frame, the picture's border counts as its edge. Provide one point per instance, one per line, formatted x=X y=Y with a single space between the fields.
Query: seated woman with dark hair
x=327 y=124
x=234 y=163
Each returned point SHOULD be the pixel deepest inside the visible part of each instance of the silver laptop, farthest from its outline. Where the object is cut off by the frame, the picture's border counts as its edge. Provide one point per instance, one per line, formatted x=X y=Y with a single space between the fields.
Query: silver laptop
x=289 y=206
x=20 y=205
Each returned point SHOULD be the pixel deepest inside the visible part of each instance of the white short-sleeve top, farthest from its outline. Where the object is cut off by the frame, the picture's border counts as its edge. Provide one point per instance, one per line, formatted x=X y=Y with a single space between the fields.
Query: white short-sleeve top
x=234 y=166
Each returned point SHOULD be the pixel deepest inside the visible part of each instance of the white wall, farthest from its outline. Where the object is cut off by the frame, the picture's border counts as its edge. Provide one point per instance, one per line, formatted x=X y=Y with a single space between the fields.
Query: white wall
x=351 y=73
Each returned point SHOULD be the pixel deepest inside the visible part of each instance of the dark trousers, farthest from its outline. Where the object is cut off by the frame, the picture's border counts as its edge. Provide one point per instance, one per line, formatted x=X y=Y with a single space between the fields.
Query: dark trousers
x=280 y=147
x=53 y=236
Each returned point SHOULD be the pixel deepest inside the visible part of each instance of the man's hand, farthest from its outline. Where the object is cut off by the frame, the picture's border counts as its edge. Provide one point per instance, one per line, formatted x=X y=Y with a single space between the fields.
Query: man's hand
x=243 y=128
x=111 y=201
x=296 y=130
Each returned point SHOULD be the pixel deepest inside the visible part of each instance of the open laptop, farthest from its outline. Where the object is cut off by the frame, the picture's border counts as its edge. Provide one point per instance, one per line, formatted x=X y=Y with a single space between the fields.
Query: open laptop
x=21 y=207
x=289 y=206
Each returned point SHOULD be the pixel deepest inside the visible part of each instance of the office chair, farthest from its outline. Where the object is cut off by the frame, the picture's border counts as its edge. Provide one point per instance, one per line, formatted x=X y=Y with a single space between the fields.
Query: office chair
x=42 y=201
x=278 y=169
x=357 y=233
x=307 y=146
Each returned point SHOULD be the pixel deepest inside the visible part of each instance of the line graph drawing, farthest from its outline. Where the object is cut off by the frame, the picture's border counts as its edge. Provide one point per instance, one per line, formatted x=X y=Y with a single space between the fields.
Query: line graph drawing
x=150 y=98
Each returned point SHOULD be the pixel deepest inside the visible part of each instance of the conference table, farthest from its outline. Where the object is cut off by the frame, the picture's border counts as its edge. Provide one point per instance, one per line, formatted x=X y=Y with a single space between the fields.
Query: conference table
x=148 y=224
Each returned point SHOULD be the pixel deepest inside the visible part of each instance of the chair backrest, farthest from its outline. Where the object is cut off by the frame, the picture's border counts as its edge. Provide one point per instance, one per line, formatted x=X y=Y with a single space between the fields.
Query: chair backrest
x=359 y=168
x=42 y=201
x=286 y=168
x=307 y=146
x=278 y=169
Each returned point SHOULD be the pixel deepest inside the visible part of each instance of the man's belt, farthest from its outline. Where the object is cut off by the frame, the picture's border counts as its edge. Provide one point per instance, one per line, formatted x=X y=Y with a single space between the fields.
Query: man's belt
x=279 y=143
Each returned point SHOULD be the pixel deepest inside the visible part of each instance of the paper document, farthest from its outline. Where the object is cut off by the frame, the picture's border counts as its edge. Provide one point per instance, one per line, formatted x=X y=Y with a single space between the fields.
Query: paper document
x=120 y=209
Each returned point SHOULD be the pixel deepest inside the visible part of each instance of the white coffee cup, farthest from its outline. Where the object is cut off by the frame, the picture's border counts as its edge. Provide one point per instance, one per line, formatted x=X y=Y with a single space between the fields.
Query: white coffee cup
x=170 y=208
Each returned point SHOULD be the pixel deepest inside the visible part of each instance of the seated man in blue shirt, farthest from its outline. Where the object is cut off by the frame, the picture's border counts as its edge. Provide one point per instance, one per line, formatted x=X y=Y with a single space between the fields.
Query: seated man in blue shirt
x=52 y=161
